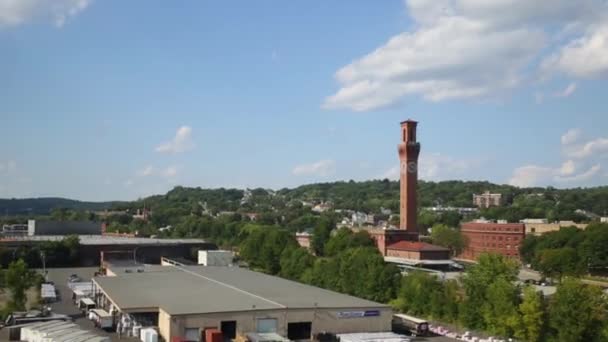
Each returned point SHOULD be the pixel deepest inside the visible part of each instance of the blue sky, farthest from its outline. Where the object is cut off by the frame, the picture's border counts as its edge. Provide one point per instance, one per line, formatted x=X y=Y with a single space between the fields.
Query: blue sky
x=108 y=99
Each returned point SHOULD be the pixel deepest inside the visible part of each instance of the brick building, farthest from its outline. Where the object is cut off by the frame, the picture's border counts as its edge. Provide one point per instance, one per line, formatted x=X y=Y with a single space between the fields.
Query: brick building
x=304 y=239
x=487 y=200
x=417 y=251
x=490 y=237
x=408 y=150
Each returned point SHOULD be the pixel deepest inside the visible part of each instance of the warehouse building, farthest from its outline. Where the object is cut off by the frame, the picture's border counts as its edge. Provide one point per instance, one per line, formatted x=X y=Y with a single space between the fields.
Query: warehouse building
x=186 y=301
x=35 y=227
x=94 y=249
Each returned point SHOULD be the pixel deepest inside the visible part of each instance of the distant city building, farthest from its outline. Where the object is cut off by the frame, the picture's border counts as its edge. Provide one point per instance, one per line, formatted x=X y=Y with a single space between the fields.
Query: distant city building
x=489 y=237
x=14 y=230
x=587 y=214
x=304 y=239
x=385 y=211
x=533 y=228
x=321 y=207
x=487 y=200
x=107 y=213
x=359 y=219
x=142 y=214
x=534 y=221
x=460 y=210
x=252 y=216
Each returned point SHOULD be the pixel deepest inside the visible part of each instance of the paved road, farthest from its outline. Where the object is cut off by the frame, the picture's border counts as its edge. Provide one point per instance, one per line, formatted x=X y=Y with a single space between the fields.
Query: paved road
x=65 y=305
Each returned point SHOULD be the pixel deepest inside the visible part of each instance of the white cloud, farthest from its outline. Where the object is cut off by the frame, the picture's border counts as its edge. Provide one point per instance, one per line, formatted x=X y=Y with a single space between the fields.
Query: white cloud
x=170 y=172
x=568 y=168
x=322 y=168
x=181 y=142
x=146 y=171
x=597 y=146
x=460 y=49
x=584 y=57
x=582 y=168
x=530 y=175
x=128 y=183
x=17 y=12
x=571 y=136
x=569 y=90
x=581 y=177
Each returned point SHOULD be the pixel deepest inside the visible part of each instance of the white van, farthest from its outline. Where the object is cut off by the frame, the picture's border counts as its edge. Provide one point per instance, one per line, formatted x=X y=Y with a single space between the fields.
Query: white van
x=86 y=304
x=101 y=318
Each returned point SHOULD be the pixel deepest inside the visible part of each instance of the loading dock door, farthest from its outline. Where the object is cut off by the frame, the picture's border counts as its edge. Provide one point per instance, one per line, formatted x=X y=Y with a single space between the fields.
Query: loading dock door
x=267 y=325
x=299 y=330
x=191 y=335
x=229 y=329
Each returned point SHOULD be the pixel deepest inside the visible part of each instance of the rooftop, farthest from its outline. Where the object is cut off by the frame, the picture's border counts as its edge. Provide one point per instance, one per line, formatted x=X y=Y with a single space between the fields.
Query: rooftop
x=108 y=240
x=416 y=247
x=217 y=289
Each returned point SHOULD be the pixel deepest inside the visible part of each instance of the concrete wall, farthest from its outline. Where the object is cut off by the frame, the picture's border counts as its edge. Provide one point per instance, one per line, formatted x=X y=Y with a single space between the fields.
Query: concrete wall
x=323 y=320
x=63 y=228
x=215 y=258
x=403 y=254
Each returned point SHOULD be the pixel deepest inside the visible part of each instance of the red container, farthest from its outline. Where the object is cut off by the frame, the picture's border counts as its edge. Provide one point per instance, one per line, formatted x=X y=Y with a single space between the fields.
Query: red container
x=213 y=335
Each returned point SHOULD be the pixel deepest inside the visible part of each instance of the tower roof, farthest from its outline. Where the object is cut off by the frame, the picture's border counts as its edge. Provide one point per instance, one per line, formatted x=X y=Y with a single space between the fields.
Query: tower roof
x=409 y=121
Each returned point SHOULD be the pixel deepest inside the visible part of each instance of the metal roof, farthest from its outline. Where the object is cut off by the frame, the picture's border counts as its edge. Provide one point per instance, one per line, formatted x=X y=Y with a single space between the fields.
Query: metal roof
x=94 y=240
x=373 y=337
x=200 y=289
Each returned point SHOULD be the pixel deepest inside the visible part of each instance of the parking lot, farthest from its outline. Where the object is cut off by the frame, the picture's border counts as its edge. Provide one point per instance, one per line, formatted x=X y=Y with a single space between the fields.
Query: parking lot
x=64 y=305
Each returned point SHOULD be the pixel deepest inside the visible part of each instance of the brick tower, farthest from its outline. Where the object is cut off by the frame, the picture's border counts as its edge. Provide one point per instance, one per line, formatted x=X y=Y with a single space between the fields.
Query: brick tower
x=409 y=149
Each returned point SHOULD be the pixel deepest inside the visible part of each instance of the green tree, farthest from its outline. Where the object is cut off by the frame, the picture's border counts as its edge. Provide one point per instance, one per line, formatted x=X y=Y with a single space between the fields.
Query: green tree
x=344 y=238
x=294 y=262
x=18 y=279
x=593 y=250
x=500 y=309
x=532 y=312
x=363 y=273
x=556 y=263
x=447 y=237
x=321 y=234
x=577 y=312
x=489 y=269
x=263 y=246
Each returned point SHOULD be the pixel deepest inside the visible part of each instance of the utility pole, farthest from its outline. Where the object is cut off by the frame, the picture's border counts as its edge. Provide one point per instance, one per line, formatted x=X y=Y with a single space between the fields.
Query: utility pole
x=43 y=257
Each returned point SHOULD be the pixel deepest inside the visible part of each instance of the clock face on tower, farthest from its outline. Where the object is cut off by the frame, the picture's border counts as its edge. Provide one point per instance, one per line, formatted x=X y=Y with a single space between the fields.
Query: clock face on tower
x=412 y=167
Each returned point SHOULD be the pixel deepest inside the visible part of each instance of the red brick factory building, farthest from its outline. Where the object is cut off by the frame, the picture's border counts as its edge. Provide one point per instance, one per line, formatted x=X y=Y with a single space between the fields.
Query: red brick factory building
x=491 y=237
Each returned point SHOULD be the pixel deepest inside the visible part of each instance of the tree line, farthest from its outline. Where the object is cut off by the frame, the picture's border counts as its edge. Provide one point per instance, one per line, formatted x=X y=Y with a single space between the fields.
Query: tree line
x=489 y=299
x=568 y=251
x=368 y=196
